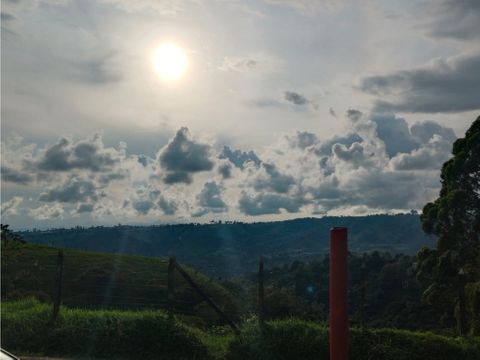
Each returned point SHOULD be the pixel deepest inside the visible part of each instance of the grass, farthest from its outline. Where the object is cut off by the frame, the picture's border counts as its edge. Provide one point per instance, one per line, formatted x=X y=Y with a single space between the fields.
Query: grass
x=27 y=327
x=297 y=339
x=109 y=281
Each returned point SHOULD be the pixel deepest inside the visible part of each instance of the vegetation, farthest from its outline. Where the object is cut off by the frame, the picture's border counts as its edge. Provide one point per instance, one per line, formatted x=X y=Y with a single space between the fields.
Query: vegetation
x=115 y=281
x=231 y=249
x=383 y=292
x=298 y=339
x=455 y=219
x=27 y=327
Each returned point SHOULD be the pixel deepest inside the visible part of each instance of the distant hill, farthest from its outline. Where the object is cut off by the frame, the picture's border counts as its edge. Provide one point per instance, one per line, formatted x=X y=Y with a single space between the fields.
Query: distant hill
x=228 y=249
x=97 y=280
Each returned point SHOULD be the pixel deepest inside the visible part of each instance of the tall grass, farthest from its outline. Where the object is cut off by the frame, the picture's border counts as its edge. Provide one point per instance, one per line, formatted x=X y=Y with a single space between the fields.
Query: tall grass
x=27 y=326
x=298 y=339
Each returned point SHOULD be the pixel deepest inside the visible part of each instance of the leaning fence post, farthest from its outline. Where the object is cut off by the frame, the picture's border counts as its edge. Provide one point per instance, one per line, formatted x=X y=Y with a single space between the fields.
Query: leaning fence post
x=171 y=286
x=205 y=297
x=57 y=297
x=338 y=294
x=261 y=304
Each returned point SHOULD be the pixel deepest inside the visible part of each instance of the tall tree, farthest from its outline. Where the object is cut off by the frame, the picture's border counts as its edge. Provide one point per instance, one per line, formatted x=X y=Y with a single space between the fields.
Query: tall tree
x=455 y=219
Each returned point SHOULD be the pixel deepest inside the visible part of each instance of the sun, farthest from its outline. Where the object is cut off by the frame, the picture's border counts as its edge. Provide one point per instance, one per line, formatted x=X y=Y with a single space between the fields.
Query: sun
x=169 y=61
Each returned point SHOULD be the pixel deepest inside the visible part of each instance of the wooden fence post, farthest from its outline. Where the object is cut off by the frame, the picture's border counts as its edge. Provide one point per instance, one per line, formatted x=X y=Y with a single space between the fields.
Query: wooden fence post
x=261 y=293
x=362 y=294
x=57 y=297
x=171 y=286
x=462 y=318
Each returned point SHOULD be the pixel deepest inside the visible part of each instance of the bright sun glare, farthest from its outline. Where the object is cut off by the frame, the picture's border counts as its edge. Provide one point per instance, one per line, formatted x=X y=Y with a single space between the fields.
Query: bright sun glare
x=169 y=61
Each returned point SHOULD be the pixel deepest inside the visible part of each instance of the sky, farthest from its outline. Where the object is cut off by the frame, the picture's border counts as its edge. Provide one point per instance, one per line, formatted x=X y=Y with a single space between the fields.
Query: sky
x=285 y=108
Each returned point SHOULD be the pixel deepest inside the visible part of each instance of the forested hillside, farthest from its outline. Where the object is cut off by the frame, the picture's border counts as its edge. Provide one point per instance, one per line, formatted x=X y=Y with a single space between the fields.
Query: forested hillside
x=228 y=249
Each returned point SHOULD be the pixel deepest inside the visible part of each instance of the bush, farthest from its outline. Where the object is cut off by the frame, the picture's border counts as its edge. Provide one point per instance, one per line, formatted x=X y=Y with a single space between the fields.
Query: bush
x=297 y=339
x=27 y=326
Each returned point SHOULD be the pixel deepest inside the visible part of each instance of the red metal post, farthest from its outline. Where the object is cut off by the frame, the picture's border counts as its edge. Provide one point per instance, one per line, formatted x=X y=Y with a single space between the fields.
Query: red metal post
x=338 y=294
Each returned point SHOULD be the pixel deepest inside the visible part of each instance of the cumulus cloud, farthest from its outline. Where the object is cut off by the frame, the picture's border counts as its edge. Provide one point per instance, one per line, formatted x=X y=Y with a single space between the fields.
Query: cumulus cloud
x=182 y=157
x=444 y=85
x=431 y=156
x=10 y=207
x=47 y=212
x=265 y=203
x=298 y=175
x=395 y=134
x=302 y=139
x=89 y=154
x=169 y=207
x=239 y=158
x=210 y=199
x=74 y=190
x=268 y=177
x=84 y=208
x=15 y=176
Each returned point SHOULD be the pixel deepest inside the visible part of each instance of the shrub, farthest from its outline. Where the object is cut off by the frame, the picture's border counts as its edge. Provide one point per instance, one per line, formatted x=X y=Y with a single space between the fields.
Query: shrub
x=297 y=339
x=27 y=326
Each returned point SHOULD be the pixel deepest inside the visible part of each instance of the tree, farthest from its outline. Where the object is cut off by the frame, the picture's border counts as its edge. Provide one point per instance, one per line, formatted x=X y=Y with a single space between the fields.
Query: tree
x=455 y=219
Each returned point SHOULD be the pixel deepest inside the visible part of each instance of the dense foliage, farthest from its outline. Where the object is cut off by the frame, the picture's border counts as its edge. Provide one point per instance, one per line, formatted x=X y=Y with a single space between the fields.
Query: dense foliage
x=28 y=328
x=455 y=219
x=297 y=339
x=230 y=249
x=383 y=292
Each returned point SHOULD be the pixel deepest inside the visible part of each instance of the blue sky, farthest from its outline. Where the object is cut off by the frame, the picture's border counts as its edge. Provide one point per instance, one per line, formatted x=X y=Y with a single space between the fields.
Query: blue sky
x=287 y=108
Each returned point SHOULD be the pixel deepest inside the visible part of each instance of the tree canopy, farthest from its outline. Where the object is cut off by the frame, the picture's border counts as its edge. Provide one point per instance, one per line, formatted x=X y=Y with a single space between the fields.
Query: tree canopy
x=455 y=219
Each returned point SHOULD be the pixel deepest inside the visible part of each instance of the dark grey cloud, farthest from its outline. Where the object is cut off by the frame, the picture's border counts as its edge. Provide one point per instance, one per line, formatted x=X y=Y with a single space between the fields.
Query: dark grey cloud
x=456 y=19
x=450 y=85
x=424 y=131
x=238 y=157
x=429 y=157
x=85 y=208
x=225 y=170
x=10 y=174
x=143 y=206
x=113 y=176
x=262 y=204
x=353 y=154
x=303 y=139
x=354 y=114
x=274 y=180
x=210 y=199
x=295 y=98
x=6 y=17
x=324 y=148
x=395 y=134
x=168 y=207
x=88 y=154
x=332 y=112
x=73 y=190
x=182 y=157
x=144 y=160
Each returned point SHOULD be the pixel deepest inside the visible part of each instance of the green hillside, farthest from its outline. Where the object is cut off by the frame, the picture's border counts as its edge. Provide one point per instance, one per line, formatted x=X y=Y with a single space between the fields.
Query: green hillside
x=232 y=249
x=98 y=280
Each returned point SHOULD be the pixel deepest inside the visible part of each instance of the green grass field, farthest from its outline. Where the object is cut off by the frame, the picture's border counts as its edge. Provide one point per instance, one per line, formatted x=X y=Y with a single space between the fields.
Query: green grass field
x=28 y=328
x=107 y=281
